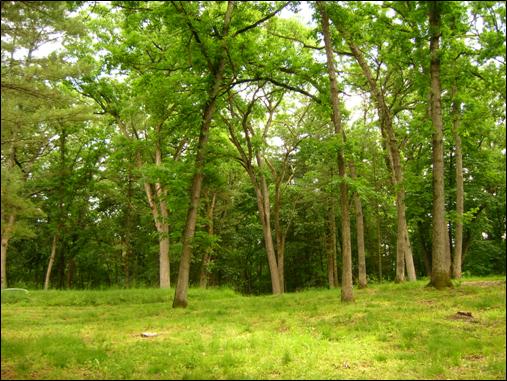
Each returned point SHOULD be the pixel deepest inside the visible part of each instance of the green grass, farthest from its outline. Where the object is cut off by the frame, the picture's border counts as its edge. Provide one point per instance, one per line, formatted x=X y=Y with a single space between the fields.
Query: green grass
x=392 y=331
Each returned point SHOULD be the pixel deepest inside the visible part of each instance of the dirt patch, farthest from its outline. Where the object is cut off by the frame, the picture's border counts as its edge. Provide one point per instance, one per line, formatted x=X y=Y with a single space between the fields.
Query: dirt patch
x=464 y=316
x=483 y=283
x=8 y=373
x=473 y=357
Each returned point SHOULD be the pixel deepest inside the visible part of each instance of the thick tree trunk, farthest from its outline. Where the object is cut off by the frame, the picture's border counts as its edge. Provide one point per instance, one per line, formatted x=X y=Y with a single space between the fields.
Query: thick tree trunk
x=346 y=289
x=6 y=236
x=440 y=273
x=458 y=248
x=180 y=296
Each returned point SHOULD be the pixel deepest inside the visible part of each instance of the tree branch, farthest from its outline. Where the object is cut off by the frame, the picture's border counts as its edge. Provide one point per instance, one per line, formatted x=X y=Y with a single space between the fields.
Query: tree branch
x=251 y=26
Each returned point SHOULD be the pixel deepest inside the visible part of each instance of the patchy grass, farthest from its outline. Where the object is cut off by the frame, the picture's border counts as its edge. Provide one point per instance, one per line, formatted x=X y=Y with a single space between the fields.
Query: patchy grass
x=392 y=331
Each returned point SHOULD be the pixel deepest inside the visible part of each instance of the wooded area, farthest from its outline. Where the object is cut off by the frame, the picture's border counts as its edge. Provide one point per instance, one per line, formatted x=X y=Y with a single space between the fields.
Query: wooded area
x=223 y=143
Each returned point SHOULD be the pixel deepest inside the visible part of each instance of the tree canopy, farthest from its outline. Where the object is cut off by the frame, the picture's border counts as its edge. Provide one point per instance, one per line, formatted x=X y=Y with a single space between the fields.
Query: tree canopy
x=215 y=143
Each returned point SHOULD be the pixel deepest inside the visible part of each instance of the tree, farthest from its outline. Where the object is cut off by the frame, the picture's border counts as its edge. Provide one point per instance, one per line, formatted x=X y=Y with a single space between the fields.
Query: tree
x=441 y=261
x=385 y=114
x=346 y=290
x=32 y=101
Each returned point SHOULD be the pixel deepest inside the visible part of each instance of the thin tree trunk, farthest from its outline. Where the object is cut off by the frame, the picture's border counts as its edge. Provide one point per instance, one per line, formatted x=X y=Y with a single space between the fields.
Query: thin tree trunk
x=361 y=257
x=203 y=277
x=6 y=236
x=163 y=223
x=403 y=249
x=51 y=262
x=70 y=272
x=426 y=250
x=458 y=248
x=346 y=289
x=440 y=273
x=279 y=236
x=61 y=195
x=262 y=193
x=180 y=296
x=330 y=241
x=379 y=247
x=263 y=203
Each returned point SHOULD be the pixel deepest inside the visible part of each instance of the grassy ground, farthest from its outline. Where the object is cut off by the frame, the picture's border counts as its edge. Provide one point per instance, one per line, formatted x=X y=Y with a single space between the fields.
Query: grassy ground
x=404 y=331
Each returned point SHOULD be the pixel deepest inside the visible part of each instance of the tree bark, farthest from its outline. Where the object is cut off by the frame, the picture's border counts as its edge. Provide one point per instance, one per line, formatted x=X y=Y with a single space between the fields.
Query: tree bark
x=279 y=236
x=262 y=194
x=346 y=289
x=203 y=276
x=51 y=262
x=440 y=273
x=180 y=296
x=361 y=257
x=163 y=223
x=458 y=247
x=332 y=271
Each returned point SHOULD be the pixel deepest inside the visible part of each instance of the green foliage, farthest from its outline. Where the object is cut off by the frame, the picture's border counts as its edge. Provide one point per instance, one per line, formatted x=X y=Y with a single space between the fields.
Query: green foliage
x=119 y=105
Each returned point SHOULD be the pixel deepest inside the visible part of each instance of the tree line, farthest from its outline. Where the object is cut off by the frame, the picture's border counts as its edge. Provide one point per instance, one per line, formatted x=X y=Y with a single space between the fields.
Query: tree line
x=216 y=143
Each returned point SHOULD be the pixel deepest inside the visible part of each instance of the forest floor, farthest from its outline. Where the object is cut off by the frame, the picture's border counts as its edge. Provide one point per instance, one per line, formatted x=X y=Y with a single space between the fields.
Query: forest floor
x=392 y=331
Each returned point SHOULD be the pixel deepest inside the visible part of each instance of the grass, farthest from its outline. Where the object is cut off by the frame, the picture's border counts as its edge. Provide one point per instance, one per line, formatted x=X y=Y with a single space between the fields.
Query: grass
x=392 y=331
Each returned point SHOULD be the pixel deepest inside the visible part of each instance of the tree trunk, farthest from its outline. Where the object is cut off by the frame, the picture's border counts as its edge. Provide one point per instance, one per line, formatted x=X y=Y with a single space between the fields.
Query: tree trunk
x=346 y=289
x=330 y=242
x=163 y=223
x=51 y=261
x=6 y=236
x=164 y=263
x=61 y=195
x=70 y=272
x=425 y=248
x=160 y=217
x=361 y=258
x=379 y=247
x=180 y=296
x=203 y=277
x=403 y=249
x=279 y=236
x=440 y=273
x=262 y=193
x=458 y=247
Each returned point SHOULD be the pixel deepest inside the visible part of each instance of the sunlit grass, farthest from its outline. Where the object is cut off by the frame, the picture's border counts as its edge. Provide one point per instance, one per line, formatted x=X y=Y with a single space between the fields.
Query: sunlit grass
x=392 y=331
